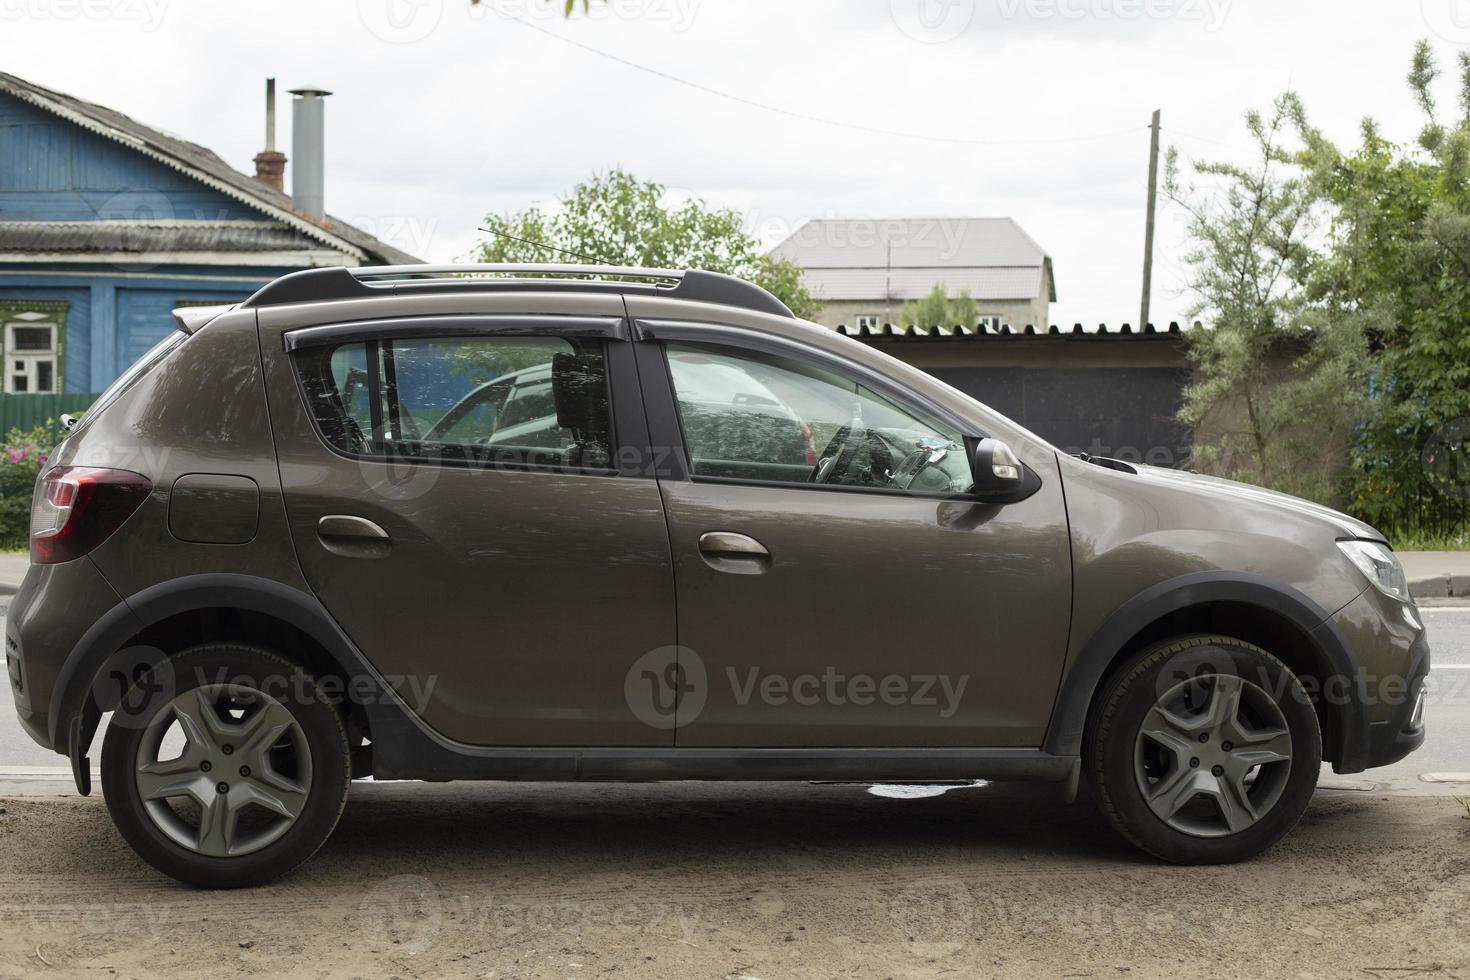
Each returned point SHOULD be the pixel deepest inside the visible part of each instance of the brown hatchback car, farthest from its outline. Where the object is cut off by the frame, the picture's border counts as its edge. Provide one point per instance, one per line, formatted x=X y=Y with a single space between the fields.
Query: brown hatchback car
x=579 y=523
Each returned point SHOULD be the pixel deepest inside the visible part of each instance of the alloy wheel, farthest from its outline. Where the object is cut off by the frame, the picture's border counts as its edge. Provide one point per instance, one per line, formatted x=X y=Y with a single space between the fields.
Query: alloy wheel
x=1213 y=755
x=239 y=782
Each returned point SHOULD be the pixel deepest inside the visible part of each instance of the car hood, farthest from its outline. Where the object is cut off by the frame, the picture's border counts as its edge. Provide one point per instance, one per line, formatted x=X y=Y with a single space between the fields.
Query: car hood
x=1227 y=490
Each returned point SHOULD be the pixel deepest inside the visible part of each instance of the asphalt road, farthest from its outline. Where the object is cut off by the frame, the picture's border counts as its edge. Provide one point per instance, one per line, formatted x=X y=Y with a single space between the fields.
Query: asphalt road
x=1447 y=711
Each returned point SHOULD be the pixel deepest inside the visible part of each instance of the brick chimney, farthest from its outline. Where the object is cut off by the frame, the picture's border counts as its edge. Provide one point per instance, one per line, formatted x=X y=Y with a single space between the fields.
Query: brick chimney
x=270 y=163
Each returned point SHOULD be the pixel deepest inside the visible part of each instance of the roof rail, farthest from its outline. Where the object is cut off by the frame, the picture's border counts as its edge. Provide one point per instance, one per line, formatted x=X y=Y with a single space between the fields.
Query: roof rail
x=335 y=283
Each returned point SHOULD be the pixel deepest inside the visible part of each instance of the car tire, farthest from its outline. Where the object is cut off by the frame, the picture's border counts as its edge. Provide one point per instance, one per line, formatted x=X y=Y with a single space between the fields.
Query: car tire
x=1171 y=764
x=248 y=708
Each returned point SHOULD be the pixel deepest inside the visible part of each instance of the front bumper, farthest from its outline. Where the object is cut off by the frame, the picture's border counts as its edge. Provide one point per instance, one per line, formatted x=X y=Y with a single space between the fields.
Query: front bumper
x=1391 y=740
x=1391 y=650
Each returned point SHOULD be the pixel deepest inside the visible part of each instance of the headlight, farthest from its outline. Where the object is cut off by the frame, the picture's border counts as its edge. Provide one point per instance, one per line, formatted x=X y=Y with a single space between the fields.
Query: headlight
x=1382 y=567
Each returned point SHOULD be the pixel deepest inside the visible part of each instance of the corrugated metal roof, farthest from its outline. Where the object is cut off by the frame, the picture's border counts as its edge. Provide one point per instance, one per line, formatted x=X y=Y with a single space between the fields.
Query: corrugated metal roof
x=204 y=165
x=915 y=243
x=151 y=236
x=921 y=334
x=993 y=283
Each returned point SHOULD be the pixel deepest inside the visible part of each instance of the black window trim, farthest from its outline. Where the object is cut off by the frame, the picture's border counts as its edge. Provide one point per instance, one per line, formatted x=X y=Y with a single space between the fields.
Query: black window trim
x=625 y=399
x=661 y=403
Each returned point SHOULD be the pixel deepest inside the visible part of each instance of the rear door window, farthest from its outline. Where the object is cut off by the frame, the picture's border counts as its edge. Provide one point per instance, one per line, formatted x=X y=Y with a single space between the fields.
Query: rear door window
x=523 y=401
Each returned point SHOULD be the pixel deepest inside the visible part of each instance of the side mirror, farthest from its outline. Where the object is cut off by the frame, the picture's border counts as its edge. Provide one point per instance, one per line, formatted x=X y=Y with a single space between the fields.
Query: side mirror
x=1000 y=477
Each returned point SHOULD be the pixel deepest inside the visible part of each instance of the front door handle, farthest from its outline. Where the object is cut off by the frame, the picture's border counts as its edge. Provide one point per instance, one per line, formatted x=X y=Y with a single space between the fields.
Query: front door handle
x=735 y=554
x=353 y=537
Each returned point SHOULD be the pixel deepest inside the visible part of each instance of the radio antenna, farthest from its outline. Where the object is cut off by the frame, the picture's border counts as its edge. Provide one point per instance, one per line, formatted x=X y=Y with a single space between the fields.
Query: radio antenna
x=553 y=248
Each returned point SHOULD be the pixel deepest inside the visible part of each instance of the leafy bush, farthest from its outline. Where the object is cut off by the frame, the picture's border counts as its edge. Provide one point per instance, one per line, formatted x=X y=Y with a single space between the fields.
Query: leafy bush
x=21 y=460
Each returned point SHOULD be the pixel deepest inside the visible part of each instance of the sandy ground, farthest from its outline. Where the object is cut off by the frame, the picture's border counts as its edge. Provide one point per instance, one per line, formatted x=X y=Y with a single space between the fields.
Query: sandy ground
x=747 y=880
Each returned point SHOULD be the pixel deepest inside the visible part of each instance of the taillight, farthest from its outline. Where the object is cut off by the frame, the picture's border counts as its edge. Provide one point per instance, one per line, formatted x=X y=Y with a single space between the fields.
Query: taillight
x=76 y=508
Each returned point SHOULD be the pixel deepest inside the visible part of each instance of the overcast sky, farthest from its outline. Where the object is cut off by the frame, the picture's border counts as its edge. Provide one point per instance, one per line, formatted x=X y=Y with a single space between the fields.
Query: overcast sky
x=443 y=112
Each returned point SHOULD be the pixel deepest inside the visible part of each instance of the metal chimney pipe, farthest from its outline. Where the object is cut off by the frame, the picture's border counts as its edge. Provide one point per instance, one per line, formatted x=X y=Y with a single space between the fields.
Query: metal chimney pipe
x=270 y=114
x=308 y=150
x=270 y=165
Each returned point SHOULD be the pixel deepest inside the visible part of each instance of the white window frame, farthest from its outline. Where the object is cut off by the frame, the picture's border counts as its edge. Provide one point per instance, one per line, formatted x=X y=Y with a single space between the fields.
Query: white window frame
x=27 y=363
x=991 y=321
x=869 y=321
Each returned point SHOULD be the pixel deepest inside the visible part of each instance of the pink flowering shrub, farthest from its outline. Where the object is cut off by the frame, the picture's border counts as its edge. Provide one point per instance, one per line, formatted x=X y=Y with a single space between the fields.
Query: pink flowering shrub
x=21 y=459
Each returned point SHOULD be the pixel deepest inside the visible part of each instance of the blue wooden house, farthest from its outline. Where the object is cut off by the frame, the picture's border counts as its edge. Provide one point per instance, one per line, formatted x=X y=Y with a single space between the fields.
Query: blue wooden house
x=106 y=225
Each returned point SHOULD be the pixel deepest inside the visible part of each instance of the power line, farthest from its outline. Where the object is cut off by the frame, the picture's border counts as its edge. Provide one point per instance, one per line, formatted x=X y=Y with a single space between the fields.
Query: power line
x=809 y=117
x=1202 y=139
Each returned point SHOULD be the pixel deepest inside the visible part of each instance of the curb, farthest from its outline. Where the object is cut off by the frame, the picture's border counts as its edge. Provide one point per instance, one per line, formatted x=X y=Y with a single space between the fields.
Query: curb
x=1441 y=586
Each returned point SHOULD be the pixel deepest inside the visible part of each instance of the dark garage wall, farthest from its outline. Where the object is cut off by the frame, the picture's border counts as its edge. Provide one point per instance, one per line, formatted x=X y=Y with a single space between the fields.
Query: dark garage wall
x=1124 y=412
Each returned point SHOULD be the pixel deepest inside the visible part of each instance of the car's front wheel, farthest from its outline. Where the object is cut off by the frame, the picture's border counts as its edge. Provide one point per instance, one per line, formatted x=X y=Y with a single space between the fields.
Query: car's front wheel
x=225 y=767
x=1203 y=750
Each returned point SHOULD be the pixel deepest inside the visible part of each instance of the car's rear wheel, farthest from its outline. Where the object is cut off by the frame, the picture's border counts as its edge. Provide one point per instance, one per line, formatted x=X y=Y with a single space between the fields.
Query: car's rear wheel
x=225 y=767
x=1203 y=750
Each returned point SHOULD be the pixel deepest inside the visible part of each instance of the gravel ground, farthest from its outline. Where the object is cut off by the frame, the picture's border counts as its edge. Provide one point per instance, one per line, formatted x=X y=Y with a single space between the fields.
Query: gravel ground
x=747 y=881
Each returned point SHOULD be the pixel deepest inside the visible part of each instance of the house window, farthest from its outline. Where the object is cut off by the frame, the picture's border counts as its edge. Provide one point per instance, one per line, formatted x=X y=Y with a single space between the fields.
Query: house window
x=33 y=338
x=992 y=321
x=869 y=321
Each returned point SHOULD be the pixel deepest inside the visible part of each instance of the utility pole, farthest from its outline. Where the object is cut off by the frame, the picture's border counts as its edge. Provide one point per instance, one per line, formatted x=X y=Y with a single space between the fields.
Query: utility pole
x=1148 y=234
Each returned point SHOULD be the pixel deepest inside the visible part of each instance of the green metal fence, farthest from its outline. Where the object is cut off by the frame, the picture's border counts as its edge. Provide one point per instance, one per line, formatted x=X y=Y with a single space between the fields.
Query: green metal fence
x=29 y=411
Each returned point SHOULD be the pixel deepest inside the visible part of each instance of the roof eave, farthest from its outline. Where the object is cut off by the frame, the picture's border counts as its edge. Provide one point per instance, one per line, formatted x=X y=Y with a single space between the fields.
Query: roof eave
x=291 y=218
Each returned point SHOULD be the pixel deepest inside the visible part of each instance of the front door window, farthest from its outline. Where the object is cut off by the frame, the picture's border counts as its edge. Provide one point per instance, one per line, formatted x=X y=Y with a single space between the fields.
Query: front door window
x=752 y=417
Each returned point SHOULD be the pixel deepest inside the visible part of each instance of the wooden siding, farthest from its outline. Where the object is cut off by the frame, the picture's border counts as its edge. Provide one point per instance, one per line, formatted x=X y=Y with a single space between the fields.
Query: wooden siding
x=51 y=170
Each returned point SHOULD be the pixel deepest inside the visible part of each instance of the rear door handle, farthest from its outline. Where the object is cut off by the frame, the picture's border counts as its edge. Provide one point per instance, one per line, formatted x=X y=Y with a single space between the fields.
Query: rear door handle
x=353 y=537
x=735 y=554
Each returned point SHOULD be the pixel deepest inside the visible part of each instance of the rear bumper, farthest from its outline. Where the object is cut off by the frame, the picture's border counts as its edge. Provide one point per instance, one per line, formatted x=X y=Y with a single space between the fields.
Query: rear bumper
x=54 y=609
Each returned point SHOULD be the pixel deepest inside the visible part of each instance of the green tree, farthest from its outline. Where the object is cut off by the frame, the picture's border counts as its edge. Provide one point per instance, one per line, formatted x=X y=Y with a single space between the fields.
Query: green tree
x=1399 y=261
x=1278 y=384
x=964 y=309
x=931 y=311
x=938 y=310
x=616 y=219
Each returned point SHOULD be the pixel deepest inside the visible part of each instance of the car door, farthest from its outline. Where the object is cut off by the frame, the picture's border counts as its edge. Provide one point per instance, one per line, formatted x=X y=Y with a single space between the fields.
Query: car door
x=836 y=587
x=481 y=545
